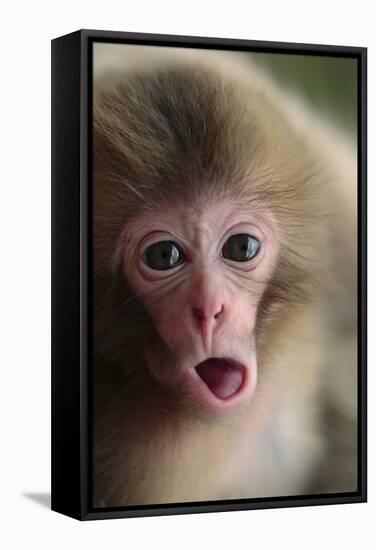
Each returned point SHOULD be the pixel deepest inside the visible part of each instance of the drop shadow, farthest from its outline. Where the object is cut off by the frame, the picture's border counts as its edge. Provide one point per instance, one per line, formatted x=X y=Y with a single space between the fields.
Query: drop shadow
x=43 y=499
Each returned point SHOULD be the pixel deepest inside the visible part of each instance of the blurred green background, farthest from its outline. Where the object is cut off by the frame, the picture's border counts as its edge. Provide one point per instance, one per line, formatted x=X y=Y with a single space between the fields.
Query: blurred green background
x=329 y=84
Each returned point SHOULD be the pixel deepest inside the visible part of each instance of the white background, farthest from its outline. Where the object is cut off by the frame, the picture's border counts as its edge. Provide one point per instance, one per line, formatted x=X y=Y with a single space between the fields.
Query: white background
x=26 y=29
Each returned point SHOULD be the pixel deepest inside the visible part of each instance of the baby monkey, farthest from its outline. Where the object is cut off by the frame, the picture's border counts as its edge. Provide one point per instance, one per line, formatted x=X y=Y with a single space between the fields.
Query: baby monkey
x=224 y=238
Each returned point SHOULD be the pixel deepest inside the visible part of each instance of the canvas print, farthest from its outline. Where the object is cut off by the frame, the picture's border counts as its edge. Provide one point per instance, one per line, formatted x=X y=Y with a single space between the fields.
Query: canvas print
x=224 y=275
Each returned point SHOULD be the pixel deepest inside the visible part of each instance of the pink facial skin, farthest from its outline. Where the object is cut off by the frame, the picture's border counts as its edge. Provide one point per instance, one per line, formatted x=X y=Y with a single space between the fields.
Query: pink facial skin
x=204 y=308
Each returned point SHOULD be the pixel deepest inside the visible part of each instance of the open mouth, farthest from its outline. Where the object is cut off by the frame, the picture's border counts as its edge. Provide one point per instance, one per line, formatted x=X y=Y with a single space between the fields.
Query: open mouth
x=224 y=377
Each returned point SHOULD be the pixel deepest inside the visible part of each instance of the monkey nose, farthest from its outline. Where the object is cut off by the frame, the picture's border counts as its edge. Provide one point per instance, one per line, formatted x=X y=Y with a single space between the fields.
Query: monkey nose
x=206 y=322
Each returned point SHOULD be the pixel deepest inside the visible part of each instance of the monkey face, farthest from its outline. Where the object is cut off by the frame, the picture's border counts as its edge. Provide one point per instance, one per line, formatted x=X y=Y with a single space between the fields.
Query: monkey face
x=201 y=271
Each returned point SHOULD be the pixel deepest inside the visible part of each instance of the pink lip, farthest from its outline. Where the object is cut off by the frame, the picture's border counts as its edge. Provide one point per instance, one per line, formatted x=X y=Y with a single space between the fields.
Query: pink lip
x=224 y=377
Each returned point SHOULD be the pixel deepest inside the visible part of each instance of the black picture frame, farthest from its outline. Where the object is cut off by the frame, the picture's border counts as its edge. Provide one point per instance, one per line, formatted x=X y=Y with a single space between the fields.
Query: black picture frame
x=71 y=273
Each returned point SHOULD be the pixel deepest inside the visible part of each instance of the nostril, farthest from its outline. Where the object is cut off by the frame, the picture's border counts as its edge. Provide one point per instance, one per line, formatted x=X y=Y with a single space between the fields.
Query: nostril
x=218 y=313
x=198 y=313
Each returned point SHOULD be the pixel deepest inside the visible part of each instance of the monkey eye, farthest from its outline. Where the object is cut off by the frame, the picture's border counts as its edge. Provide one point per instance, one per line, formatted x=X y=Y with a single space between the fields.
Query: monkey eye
x=241 y=248
x=163 y=255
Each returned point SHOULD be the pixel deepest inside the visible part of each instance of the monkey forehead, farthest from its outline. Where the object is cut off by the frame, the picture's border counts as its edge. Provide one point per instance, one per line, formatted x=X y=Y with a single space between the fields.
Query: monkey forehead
x=199 y=222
